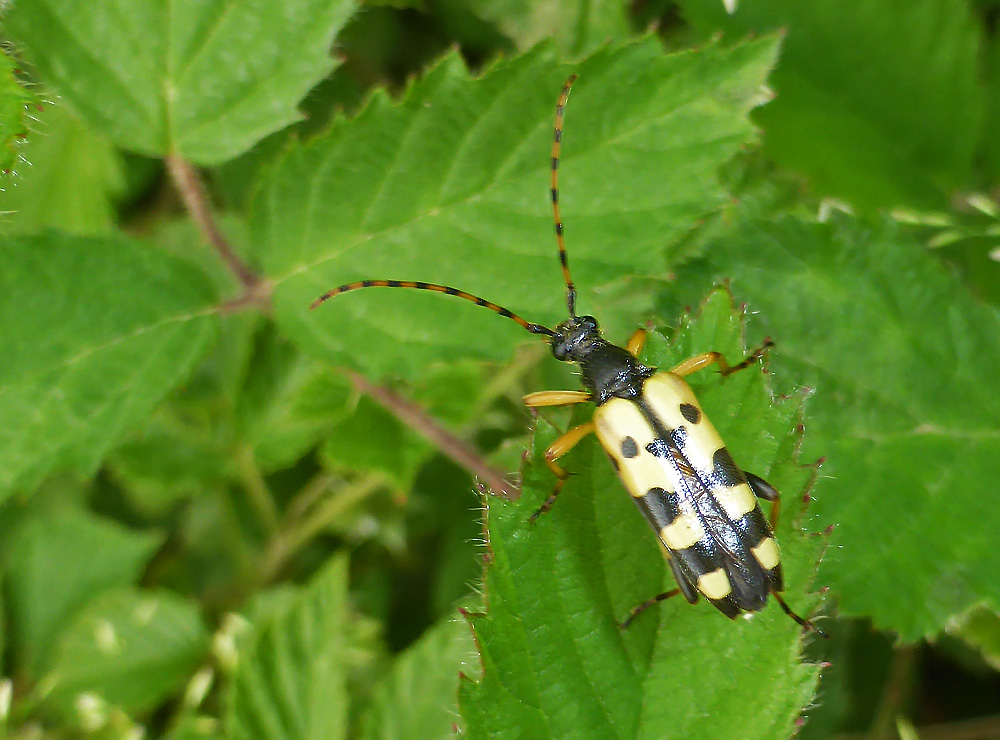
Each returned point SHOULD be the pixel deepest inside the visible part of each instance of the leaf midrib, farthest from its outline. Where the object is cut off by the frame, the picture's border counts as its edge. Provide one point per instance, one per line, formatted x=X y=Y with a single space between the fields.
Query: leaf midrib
x=84 y=353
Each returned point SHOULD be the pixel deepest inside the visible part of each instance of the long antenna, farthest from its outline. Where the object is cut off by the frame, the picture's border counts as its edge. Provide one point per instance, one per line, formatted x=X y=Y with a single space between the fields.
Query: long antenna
x=533 y=328
x=556 y=146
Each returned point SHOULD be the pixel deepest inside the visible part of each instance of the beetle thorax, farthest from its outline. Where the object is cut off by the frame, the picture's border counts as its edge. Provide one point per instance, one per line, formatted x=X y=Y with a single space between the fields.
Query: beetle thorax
x=606 y=369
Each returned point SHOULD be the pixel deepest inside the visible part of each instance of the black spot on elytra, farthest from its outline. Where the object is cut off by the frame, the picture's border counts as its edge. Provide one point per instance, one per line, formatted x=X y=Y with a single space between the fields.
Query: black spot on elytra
x=725 y=470
x=629 y=448
x=691 y=413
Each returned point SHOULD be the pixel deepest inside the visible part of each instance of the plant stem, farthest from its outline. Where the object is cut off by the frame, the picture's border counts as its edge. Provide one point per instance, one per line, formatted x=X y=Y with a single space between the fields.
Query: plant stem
x=259 y=494
x=311 y=492
x=302 y=532
x=456 y=449
x=192 y=192
x=967 y=729
x=897 y=690
x=508 y=378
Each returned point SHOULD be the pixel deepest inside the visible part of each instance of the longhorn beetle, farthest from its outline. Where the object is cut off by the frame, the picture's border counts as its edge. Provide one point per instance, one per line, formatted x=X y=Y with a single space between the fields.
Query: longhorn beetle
x=667 y=453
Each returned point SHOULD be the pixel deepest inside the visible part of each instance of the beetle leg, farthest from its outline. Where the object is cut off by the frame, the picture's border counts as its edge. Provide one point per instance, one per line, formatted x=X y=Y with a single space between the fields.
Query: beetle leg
x=556 y=450
x=700 y=362
x=683 y=587
x=636 y=342
x=806 y=623
x=555 y=398
x=763 y=489
x=646 y=604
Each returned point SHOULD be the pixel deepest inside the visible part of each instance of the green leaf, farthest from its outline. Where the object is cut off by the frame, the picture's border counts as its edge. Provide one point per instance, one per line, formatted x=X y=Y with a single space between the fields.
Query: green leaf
x=891 y=118
x=860 y=663
x=188 y=447
x=72 y=183
x=289 y=403
x=418 y=699
x=290 y=683
x=96 y=332
x=56 y=565
x=980 y=628
x=991 y=142
x=202 y=79
x=451 y=185
x=181 y=236
x=16 y=102
x=373 y=439
x=131 y=648
x=904 y=364
x=555 y=663
x=416 y=4
x=195 y=728
x=578 y=26
x=173 y=457
x=4 y=635
x=255 y=400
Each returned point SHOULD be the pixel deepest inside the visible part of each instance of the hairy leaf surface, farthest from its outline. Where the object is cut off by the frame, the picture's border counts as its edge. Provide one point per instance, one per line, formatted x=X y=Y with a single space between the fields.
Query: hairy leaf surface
x=72 y=182
x=16 y=103
x=418 y=699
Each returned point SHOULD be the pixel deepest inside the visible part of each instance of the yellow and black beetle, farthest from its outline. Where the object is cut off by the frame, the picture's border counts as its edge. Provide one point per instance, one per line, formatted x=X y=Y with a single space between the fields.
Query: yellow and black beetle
x=676 y=467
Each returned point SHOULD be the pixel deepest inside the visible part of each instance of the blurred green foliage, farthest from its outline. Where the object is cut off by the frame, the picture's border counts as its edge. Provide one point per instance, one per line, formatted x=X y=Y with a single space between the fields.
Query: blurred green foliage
x=226 y=516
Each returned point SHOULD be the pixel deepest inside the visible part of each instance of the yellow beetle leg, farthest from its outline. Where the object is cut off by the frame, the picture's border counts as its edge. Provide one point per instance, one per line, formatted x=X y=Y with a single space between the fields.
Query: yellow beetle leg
x=636 y=342
x=555 y=398
x=700 y=362
x=556 y=450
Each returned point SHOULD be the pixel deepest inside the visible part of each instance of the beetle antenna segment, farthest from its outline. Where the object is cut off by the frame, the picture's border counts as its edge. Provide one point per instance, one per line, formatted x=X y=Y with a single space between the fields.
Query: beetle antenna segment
x=533 y=328
x=556 y=147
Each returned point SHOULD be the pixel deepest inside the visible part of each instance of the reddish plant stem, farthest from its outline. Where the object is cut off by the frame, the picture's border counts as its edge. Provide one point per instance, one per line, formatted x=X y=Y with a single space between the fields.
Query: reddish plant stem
x=192 y=192
x=457 y=450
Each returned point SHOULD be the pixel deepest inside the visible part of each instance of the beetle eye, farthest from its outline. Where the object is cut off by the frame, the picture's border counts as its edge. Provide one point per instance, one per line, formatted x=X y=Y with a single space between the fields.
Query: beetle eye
x=559 y=349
